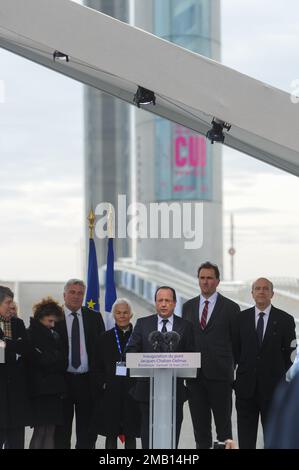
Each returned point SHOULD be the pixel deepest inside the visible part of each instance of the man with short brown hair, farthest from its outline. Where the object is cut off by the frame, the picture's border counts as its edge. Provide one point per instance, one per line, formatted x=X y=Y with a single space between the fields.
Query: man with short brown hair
x=214 y=318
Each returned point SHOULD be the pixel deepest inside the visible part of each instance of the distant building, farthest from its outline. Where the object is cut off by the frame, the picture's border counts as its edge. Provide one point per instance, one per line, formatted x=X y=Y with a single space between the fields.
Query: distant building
x=172 y=164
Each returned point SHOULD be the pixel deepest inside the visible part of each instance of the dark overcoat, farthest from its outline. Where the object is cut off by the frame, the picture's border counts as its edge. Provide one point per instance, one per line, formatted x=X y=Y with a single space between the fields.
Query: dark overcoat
x=14 y=396
x=48 y=360
x=117 y=412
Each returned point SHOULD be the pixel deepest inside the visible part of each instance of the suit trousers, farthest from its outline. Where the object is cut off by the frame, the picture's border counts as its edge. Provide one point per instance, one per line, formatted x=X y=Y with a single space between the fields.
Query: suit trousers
x=12 y=438
x=144 y=409
x=248 y=412
x=111 y=442
x=78 y=401
x=207 y=396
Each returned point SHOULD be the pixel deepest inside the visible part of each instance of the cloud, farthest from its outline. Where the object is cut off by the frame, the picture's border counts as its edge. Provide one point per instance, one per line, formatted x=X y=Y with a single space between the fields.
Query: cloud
x=266 y=222
x=252 y=211
x=239 y=166
x=38 y=261
x=42 y=158
x=267 y=46
x=41 y=172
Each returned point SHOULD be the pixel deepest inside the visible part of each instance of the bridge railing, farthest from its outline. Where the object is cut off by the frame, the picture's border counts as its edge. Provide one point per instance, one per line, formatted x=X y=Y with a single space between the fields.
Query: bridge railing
x=143 y=279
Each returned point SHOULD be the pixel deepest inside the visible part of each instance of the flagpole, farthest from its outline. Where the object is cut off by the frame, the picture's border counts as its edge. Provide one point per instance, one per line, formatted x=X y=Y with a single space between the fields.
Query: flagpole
x=91 y=219
x=92 y=285
x=110 y=225
x=110 y=293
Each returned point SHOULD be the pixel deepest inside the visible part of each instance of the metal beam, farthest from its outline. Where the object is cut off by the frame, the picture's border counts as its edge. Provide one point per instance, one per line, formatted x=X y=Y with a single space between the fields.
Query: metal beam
x=190 y=89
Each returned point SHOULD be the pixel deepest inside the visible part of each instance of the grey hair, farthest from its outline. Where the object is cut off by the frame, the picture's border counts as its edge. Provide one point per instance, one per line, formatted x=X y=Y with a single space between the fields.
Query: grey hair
x=5 y=292
x=72 y=282
x=122 y=301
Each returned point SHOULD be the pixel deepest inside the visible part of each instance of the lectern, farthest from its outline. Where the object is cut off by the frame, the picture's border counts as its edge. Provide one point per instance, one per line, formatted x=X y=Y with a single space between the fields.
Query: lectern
x=163 y=369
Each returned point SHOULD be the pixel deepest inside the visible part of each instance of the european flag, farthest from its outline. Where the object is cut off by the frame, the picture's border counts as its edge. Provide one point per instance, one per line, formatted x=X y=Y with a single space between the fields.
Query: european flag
x=110 y=295
x=93 y=286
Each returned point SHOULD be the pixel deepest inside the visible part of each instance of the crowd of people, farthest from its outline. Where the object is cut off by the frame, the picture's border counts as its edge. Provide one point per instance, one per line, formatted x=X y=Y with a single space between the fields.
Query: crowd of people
x=66 y=366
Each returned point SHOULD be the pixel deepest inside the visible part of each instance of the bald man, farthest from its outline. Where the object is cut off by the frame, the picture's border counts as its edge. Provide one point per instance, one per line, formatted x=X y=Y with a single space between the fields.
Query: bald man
x=267 y=339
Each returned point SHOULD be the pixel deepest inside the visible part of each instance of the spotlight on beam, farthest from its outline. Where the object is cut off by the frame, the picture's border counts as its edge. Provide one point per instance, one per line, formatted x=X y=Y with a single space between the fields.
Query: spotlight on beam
x=57 y=55
x=215 y=134
x=144 y=96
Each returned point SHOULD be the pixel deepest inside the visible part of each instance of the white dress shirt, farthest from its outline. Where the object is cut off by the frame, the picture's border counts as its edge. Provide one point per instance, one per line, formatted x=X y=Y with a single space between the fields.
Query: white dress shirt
x=169 y=324
x=212 y=301
x=265 y=317
x=83 y=368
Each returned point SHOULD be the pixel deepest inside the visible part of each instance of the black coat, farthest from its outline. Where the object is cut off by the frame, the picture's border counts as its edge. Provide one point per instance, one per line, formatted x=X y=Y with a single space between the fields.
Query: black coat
x=217 y=343
x=14 y=396
x=266 y=366
x=48 y=360
x=117 y=412
x=140 y=343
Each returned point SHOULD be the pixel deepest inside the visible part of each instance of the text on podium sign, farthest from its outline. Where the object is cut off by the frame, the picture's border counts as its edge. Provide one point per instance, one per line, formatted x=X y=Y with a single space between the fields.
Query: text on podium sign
x=163 y=360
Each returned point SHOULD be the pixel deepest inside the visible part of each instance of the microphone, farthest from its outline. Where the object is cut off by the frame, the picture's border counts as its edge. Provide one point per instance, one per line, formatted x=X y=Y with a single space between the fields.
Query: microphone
x=156 y=339
x=171 y=340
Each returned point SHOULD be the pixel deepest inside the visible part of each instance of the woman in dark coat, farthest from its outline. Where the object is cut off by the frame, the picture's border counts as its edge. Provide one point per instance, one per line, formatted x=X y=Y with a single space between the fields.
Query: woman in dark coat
x=117 y=413
x=14 y=401
x=48 y=364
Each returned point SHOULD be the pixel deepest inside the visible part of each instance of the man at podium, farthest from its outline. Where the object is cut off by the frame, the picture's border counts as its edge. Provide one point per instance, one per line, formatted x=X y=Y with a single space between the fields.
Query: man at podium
x=146 y=338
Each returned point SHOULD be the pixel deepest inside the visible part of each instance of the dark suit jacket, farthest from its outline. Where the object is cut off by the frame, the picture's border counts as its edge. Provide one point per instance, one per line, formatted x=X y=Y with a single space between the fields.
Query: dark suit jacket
x=93 y=328
x=140 y=343
x=217 y=342
x=15 y=410
x=266 y=366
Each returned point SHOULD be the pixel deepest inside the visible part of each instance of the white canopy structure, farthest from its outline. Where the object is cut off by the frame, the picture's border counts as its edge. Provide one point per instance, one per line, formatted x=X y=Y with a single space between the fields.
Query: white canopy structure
x=190 y=89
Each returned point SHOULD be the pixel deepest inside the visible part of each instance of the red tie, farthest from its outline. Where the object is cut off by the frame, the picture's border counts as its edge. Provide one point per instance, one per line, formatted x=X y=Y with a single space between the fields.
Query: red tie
x=204 y=315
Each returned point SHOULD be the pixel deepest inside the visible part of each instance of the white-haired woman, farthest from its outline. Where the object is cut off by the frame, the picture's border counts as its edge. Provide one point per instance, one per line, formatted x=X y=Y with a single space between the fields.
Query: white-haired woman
x=117 y=413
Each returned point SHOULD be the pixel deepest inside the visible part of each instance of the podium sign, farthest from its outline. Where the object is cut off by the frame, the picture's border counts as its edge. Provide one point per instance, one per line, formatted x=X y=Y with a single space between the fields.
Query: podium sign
x=2 y=352
x=163 y=369
x=163 y=360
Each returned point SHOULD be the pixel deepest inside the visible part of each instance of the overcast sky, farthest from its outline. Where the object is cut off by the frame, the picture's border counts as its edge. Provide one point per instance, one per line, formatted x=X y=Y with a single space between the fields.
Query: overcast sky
x=261 y=39
x=41 y=159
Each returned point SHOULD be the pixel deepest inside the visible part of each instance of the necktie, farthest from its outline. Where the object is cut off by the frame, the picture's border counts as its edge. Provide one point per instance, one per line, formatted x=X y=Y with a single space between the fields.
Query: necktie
x=164 y=329
x=260 y=328
x=76 y=357
x=204 y=315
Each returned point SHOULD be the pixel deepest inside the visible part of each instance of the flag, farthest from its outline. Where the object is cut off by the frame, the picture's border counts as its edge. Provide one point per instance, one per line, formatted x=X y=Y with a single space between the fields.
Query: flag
x=93 y=286
x=110 y=294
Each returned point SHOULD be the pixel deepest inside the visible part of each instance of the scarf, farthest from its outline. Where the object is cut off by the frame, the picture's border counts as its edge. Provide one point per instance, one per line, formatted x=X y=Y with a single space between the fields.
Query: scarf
x=5 y=326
